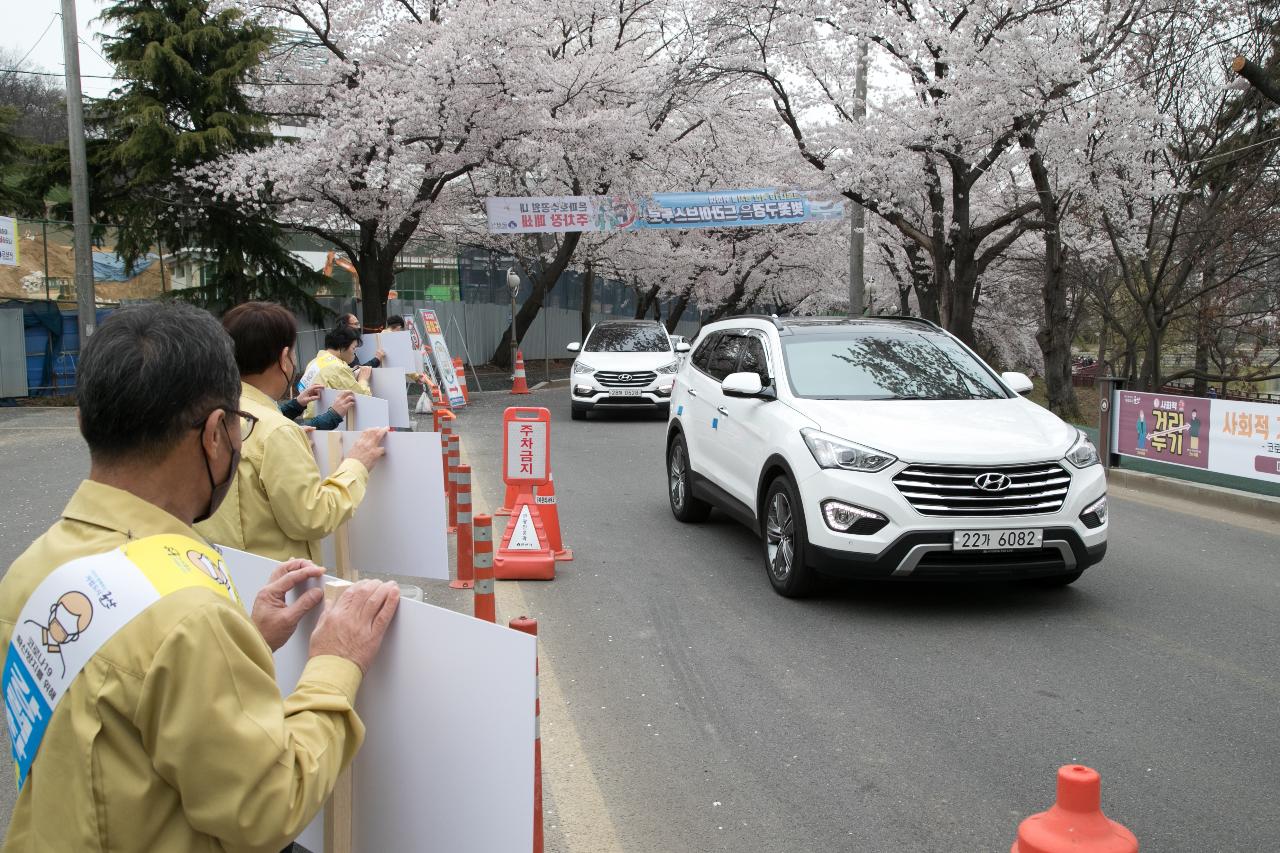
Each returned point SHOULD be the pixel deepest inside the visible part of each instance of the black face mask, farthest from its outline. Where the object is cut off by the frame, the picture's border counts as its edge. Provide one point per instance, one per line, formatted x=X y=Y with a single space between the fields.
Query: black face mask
x=289 y=387
x=218 y=491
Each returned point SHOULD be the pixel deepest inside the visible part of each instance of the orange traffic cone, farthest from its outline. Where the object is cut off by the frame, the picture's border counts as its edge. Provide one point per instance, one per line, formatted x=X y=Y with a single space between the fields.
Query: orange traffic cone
x=461 y=372
x=513 y=494
x=1075 y=823
x=530 y=626
x=519 y=386
x=550 y=512
x=485 y=606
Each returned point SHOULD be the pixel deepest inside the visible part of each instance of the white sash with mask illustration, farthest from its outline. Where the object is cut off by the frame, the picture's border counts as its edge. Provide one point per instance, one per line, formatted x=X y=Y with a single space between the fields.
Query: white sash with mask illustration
x=76 y=609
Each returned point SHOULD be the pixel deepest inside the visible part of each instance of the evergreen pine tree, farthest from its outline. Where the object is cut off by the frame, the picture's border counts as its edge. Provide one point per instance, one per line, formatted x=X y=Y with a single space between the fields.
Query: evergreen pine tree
x=184 y=104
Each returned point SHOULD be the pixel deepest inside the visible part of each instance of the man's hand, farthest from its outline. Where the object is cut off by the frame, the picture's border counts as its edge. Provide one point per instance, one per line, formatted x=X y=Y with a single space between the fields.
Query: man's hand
x=364 y=374
x=344 y=403
x=382 y=357
x=368 y=448
x=311 y=394
x=275 y=619
x=353 y=626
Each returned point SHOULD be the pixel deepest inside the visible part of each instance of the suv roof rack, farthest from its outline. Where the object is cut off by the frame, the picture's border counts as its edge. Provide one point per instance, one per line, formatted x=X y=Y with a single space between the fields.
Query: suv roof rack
x=772 y=318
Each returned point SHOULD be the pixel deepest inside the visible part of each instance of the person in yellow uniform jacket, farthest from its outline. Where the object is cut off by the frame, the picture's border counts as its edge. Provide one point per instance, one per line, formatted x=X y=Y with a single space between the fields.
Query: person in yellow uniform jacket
x=281 y=507
x=174 y=735
x=331 y=366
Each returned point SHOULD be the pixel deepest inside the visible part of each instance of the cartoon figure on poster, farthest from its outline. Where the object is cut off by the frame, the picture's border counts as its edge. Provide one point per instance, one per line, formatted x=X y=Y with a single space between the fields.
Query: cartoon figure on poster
x=69 y=617
x=1195 y=431
x=1142 y=430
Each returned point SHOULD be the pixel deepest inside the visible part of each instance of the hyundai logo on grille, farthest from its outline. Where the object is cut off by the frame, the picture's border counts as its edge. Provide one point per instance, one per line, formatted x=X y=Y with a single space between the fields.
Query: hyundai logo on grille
x=625 y=377
x=992 y=482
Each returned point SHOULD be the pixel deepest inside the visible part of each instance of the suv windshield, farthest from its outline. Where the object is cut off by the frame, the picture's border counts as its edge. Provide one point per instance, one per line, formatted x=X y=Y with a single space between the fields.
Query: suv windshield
x=628 y=337
x=886 y=366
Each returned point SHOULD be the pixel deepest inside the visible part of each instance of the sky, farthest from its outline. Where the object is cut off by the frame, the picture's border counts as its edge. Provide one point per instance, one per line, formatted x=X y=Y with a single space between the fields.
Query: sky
x=23 y=21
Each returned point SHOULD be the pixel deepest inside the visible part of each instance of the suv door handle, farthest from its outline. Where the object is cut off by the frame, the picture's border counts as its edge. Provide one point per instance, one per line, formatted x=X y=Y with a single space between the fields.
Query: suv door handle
x=722 y=410
x=693 y=393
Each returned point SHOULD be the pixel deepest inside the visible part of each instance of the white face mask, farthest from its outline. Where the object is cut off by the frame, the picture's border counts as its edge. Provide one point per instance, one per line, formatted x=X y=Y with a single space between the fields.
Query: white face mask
x=69 y=621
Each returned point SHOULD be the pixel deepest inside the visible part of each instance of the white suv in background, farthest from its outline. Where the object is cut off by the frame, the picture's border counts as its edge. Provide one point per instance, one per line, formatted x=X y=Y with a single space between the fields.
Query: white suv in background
x=879 y=447
x=624 y=364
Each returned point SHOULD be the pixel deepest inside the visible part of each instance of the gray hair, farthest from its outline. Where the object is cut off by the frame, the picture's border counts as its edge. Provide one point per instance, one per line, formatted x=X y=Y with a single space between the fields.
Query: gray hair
x=149 y=375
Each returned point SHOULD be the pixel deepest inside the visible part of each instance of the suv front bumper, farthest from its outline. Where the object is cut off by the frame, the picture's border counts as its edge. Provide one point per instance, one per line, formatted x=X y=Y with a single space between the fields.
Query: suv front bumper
x=917 y=546
x=586 y=395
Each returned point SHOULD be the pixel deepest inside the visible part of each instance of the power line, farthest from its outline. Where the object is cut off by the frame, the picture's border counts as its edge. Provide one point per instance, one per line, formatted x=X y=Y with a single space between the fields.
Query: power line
x=37 y=44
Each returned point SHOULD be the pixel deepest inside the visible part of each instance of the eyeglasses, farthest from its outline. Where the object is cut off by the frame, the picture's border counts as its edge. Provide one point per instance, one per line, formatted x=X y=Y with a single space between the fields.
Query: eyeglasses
x=247 y=421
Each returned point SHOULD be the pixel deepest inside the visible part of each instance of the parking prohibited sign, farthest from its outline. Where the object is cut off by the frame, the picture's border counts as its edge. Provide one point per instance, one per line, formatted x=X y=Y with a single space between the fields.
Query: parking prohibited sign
x=526 y=446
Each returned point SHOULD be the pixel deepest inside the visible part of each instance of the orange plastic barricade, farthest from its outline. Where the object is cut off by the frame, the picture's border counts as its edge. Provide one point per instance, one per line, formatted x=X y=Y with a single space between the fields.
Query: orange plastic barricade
x=525 y=552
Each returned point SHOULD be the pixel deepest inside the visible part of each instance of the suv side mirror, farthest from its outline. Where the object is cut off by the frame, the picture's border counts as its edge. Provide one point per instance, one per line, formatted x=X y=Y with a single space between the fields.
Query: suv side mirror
x=1019 y=383
x=682 y=347
x=574 y=347
x=745 y=385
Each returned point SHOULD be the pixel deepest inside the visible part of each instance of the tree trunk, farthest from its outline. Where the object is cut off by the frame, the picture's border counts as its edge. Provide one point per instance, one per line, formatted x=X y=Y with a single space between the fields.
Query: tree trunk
x=677 y=309
x=588 y=299
x=1055 y=332
x=543 y=283
x=645 y=300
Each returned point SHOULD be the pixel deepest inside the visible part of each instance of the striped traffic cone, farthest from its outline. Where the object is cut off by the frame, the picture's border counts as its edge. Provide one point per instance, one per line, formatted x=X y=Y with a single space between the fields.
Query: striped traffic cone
x=549 y=509
x=461 y=372
x=454 y=460
x=520 y=385
x=530 y=626
x=485 y=606
x=466 y=567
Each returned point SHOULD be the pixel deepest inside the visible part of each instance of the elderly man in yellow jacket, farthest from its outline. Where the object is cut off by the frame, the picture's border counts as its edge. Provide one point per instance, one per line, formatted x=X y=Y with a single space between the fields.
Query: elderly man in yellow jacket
x=281 y=507
x=332 y=366
x=141 y=699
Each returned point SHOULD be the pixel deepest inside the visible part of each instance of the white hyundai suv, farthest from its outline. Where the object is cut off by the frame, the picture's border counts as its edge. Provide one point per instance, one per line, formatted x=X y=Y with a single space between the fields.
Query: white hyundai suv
x=879 y=447
x=624 y=364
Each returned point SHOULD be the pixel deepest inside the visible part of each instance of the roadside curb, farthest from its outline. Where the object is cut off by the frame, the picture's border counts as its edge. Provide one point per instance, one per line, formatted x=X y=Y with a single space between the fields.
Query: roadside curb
x=1264 y=507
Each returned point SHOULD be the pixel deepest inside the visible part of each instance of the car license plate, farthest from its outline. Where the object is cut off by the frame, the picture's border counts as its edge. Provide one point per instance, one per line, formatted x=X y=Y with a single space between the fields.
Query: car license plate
x=997 y=540
x=624 y=392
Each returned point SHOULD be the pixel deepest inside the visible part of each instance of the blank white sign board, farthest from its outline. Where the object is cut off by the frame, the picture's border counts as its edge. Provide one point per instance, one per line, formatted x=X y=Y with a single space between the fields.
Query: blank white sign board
x=368 y=412
x=405 y=493
x=397 y=345
x=388 y=384
x=447 y=761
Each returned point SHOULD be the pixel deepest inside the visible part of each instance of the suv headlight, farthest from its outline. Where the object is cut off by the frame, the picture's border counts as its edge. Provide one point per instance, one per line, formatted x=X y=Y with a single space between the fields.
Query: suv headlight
x=1083 y=454
x=582 y=367
x=669 y=368
x=831 y=452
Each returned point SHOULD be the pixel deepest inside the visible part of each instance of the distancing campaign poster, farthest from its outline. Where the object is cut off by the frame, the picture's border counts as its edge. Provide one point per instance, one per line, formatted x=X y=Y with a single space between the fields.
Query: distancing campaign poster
x=1225 y=436
x=440 y=355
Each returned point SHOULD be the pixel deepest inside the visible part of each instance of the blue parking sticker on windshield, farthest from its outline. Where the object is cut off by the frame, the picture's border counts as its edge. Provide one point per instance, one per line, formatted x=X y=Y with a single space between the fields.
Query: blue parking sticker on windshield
x=715 y=423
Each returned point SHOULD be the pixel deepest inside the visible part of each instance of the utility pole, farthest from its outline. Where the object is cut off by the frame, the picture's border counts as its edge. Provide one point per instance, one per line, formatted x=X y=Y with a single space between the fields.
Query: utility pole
x=858 y=216
x=85 y=301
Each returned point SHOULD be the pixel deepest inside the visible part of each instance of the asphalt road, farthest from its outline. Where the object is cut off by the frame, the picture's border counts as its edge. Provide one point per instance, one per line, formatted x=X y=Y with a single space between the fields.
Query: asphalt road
x=718 y=716
x=712 y=715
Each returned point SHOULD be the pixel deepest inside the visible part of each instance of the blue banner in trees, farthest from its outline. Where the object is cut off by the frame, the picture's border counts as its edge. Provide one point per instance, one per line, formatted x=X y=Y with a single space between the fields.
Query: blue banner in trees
x=724 y=209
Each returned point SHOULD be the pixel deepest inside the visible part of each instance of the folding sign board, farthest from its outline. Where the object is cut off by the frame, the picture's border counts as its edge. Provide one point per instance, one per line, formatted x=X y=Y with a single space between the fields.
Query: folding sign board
x=397 y=345
x=368 y=412
x=526 y=446
x=405 y=494
x=443 y=361
x=447 y=761
x=388 y=383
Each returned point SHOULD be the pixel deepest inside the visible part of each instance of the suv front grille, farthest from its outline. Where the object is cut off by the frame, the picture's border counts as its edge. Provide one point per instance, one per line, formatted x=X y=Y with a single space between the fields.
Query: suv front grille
x=949 y=490
x=614 y=378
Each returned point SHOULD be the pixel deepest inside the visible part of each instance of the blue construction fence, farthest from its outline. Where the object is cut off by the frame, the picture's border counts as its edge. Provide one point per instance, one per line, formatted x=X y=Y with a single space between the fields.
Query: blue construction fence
x=51 y=338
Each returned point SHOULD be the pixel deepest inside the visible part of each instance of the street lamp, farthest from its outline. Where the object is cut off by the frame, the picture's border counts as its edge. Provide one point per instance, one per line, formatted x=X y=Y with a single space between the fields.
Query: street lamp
x=513 y=287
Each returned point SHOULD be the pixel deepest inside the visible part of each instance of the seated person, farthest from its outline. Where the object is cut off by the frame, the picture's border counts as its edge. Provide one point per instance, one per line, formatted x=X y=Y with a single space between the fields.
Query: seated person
x=331 y=366
x=332 y=418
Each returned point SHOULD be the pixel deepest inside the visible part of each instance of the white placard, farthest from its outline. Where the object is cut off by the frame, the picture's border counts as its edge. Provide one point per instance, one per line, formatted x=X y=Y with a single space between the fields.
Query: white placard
x=397 y=345
x=368 y=412
x=8 y=241
x=405 y=494
x=388 y=383
x=447 y=761
x=440 y=355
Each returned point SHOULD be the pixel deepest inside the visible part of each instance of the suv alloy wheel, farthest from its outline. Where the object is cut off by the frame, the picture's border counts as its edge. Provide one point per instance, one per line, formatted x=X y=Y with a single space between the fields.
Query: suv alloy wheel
x=785 y=541
x=684 y=506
